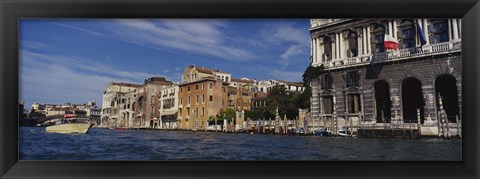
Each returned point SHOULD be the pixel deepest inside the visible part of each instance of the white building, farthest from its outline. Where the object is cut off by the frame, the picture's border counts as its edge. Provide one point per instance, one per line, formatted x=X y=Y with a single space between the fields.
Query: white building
x=116 y=107
x=267 y=85
x=169 y=107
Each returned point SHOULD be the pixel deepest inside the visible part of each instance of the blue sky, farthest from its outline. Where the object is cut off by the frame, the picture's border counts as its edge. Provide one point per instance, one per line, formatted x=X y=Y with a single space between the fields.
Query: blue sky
x=73 y=60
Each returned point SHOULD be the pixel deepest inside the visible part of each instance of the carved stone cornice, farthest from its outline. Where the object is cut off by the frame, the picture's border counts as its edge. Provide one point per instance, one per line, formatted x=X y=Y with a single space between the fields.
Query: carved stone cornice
x=331 y=36
x=359 y=31
x=345 y=33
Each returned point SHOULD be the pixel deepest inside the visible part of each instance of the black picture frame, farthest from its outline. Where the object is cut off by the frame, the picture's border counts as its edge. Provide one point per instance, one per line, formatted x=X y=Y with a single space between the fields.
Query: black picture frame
x=12 y=10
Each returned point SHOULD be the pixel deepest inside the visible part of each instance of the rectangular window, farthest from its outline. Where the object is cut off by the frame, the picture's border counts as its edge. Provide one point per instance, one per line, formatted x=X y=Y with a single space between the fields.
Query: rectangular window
x=211 y=85
x=352 y=78
x=203 y=97
x=197 y=99
x=196 y=87
x=379 y=43
x=438 y=31
x=327 y=81
x=203 y=85
x=203 y=111
x=211 y=98
x=327 y=104
x=353 y=103
x=188 y=88
x=408 y=40
x=181 y=89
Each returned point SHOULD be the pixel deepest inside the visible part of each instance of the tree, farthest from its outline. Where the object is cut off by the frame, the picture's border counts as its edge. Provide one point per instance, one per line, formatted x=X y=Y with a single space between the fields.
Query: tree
x=228 y=114
x=310 y=74
x=284 y=101
x=258 y=113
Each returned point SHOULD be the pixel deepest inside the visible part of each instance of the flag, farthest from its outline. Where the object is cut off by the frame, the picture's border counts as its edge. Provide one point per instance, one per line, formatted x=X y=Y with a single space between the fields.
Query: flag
x=421 y=35
x=390 y=43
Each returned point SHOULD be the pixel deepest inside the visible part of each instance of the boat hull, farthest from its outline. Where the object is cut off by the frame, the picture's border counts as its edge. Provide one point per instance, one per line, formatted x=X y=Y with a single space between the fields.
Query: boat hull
x=77 y=128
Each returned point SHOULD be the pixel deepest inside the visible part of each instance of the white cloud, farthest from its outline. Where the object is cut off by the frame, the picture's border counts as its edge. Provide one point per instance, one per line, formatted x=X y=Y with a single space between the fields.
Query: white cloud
x=287 y=75
x=59 y=79
x=195 y=36
x=33 y=44
x=80 y=29
x=286 y=34
x=293 y=50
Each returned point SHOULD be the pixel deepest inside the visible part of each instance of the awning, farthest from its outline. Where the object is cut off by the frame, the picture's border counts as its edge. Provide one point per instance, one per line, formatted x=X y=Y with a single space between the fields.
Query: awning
x=166 y=113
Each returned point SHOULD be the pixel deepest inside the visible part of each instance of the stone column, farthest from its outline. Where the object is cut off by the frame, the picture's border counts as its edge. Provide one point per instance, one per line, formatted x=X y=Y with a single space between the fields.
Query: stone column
x=459 y=28
x=425 y=30
x=337 y=45
x=449 y=29
x=390 y=28
x=320 y=49
x=364 y=41
x=341 y=45
x=360 y=42
x=311 y=50
x=369 y=47
x=394 y=30
x=314 y=49
x=455 y=28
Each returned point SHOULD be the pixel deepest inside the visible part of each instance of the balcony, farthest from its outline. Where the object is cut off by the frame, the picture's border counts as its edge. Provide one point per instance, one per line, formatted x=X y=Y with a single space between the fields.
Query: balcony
x=402 y=54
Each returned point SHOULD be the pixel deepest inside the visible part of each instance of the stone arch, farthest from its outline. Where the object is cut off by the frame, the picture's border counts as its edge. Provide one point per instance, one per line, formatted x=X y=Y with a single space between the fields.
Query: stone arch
x=381 y=101
x=446 y=87
x=411 y=100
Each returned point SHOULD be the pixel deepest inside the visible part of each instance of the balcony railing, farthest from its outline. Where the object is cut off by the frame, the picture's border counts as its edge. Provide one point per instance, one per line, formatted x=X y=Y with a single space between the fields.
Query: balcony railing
x=402 y=54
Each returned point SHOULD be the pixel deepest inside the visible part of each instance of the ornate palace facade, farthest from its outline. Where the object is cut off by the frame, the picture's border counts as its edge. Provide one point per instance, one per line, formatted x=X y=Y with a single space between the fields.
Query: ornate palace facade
x=366 y=85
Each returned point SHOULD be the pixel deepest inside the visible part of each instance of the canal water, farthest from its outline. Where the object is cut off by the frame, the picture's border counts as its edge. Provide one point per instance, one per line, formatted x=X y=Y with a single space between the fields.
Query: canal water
x=105 y=144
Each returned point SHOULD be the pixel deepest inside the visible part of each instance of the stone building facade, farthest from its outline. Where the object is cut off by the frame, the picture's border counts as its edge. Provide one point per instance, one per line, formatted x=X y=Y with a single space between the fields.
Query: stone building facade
x=148 y=101
x=169 y=107
x=198 y=100
x=118 y=105
x=365 y=85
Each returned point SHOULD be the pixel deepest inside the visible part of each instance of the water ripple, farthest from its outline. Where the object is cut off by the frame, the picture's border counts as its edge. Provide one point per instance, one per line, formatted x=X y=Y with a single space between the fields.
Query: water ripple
x=104 y=144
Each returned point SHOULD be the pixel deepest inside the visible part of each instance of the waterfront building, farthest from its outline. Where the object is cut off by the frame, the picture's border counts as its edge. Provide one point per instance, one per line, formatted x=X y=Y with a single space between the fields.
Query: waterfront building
x=199 y=100
x=205 y=92
x=239 y=94
x=193 y=73
x=116 y=105
x=169 y=107
x=148 y=103
x=267 y=85
x=388 y=73
x=37 y=106
x=94 y=114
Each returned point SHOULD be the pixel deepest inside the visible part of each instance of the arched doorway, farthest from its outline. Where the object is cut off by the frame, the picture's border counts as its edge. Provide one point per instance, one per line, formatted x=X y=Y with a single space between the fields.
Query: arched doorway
x=412 y=98
x=383 y=103
x=446 y=86
x=151 y=123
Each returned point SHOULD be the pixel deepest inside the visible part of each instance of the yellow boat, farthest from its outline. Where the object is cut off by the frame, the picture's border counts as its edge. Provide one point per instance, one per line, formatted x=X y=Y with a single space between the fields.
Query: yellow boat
x=80 y=128
x=75 y=125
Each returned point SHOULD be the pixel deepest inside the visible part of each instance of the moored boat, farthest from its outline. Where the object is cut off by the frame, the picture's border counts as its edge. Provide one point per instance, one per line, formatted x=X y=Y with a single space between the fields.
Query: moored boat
x=326 y=132
x=343 y=131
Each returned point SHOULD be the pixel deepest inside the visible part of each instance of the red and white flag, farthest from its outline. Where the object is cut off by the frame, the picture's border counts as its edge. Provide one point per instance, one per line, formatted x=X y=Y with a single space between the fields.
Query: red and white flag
x=390 y=43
